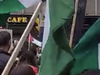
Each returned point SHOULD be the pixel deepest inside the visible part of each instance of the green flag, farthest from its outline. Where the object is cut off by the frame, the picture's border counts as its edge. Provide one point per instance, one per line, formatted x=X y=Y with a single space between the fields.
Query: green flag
x=3 y=19
x=87 y=51
x=7 y=6
x=56 y=54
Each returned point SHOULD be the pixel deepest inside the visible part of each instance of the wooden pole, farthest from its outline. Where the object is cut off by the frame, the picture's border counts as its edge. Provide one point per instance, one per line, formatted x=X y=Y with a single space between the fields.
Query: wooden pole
x=22 y=40
x=79 y=24
x=73 y=23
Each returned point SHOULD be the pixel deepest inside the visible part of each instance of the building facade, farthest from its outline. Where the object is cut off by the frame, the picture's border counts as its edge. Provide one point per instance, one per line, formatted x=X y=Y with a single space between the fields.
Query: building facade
x=19 y=20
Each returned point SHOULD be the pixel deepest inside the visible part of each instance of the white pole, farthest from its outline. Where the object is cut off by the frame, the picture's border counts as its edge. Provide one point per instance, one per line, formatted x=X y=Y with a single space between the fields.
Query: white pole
x=73 y=23
x=22 y=40
x=96 y=7
x=99 y=55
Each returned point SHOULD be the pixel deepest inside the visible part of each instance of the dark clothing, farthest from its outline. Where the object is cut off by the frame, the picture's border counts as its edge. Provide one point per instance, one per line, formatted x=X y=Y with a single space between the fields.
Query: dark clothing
x=41 y=33
x=4 y=57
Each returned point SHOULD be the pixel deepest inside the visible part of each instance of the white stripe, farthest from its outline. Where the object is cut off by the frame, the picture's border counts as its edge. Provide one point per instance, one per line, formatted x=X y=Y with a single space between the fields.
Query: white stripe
x=99 y=55
x=28 y=3
x=46 y=25
x=38 y=43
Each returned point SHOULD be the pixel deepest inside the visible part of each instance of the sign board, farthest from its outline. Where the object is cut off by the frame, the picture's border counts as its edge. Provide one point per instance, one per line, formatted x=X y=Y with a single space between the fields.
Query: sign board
x=21 y=20
x=10 y=31
x=18 y=19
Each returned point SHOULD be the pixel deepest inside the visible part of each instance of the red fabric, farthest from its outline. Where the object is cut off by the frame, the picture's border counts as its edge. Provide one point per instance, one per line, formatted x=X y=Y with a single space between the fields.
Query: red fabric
x=34 y=69
x=30 y=38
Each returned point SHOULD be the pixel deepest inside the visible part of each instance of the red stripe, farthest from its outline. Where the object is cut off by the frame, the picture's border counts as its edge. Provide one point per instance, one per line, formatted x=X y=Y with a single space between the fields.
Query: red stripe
x=34 y=69
x=30 y=38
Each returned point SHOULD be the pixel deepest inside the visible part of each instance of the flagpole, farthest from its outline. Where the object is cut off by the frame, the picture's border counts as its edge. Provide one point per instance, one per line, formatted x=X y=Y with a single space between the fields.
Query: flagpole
x=73 y=23
x=22 y=40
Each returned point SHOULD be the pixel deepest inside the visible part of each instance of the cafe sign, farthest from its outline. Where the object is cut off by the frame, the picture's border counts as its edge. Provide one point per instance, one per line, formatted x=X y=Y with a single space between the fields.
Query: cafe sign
x=18 y=19
x=21 y=20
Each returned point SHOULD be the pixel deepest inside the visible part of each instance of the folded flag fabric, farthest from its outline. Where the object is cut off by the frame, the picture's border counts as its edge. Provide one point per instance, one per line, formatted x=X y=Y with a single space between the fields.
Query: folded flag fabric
x=34 y=41
x=7 y=6
x=3 y=19
x=56 y=55
x=87 y=51
x=37 y=42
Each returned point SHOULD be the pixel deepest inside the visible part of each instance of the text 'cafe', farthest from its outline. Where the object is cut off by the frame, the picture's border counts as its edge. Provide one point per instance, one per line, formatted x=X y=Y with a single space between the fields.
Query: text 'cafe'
x=19 y=22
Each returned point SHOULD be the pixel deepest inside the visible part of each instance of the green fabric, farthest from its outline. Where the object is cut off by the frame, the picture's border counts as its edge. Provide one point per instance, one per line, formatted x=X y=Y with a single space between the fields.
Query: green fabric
x=7 y=6
x=56 y=54
x=3 y=19
x=86 y=51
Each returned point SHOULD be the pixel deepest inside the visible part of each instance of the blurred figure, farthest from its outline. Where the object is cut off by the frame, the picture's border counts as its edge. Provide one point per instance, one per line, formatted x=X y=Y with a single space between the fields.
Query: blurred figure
x=39 y=55
x=4 y=47
x=24 y=69
x=33 y=49
x=23 y=49
x=39 y=52
x=28 y=57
